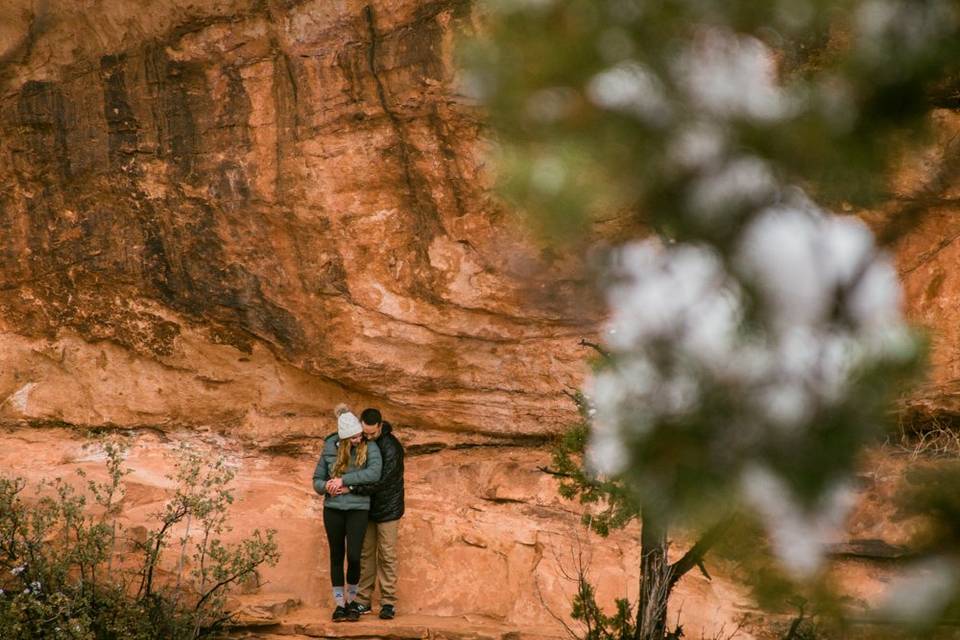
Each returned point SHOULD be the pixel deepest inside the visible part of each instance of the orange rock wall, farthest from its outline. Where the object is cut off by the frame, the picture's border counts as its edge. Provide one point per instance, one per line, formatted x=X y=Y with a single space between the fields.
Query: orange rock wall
x=927 y=260
x=236 y=213
x=485 y=540
x=219 y=218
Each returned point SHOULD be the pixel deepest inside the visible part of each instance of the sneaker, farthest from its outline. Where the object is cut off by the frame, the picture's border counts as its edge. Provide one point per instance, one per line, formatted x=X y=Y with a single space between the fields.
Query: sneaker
x=387 y=612
x=339 y=614
x=364 y=609
x=353 y=614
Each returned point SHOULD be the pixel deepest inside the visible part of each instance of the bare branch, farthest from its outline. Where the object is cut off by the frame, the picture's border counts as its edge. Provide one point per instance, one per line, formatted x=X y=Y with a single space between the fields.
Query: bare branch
x=703 y=570
x=792 y=633
x=573 y=397
x=596 y=347
x=694 y=556
x=536 y=582
x=559 y=474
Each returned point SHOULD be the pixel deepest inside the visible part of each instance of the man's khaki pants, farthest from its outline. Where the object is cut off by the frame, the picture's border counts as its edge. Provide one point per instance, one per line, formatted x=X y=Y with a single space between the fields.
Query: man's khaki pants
x=378 y=562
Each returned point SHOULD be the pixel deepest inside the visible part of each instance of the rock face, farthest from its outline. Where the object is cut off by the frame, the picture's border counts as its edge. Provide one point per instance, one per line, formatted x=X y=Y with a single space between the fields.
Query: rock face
x=238 y=212
x=219 y=218
x=927 y=257
x=486 y=546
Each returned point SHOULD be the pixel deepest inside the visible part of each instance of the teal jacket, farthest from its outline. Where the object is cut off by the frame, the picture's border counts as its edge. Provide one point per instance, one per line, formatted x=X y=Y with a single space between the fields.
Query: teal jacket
x=354 y=475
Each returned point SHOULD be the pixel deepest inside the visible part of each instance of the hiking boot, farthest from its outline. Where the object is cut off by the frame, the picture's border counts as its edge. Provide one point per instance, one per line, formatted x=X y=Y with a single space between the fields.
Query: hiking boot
x=364 y=609
x=387 y=612
x=353 y=613
x=339 y=614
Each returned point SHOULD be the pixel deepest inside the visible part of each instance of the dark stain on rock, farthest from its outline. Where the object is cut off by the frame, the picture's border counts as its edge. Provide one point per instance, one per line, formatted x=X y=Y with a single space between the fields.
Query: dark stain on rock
x=122 y=126
x=234 y=113
x=94 y=309
x=39 y=223
x=194 y=276
x=11 y=267
x=331 y=277
x=230 y=184
x=240 y=292
x=426 y=216
x=285 y=100
x=419 y=49
x=451 y=163
x=232 y=336
x=167 y=82
x=352 y=64
x=460 y=9
x=155 y=265
x=933 y=288
x=42 y=118
x=286 y=91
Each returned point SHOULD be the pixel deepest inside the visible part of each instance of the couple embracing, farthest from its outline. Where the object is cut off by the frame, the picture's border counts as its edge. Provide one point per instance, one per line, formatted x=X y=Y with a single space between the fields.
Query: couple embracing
x=360 y=476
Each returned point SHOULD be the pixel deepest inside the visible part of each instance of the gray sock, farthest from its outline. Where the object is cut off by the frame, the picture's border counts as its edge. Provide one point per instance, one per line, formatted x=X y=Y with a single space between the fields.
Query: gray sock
x=351 y=592
x=338 y=596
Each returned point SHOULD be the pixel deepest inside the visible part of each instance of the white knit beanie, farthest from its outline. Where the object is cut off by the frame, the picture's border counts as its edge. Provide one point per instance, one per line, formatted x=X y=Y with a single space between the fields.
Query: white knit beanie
x=347 y=425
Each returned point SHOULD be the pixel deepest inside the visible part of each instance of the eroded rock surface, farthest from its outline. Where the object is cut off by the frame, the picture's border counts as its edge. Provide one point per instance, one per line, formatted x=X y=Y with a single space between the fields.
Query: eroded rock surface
x=237 y=212
x=925 y=201
x=486 y=547
x=220 y=217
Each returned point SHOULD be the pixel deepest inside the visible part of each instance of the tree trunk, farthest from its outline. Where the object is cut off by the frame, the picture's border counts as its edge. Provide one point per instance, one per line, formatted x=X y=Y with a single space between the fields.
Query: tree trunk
x=655 y=580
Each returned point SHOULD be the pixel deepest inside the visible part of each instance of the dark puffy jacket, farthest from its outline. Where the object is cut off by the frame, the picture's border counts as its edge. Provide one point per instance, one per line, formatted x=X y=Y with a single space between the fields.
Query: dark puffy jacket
x=386 y=494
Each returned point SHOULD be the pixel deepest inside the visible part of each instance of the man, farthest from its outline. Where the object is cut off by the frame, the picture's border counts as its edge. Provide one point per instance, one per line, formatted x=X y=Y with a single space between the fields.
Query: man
x=378 y=560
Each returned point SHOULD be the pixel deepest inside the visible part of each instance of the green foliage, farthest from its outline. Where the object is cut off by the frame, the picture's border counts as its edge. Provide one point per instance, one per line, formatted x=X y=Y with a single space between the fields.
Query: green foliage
x=599 y=626
x=931 y=492
x=697 y=121
x=929 y=495
x=856 y=84
x=62 y=573
x=617 y=505
x=633 y=110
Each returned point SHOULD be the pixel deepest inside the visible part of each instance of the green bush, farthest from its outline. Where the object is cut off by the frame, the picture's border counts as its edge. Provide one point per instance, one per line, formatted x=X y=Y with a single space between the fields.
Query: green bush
x=68 y=569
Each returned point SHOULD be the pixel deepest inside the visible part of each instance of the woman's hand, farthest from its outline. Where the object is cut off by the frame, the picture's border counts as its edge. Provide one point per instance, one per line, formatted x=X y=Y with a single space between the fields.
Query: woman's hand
x=335 y=486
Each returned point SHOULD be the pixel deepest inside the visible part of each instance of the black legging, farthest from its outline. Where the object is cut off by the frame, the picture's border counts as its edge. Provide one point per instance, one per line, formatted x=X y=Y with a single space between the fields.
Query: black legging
x=349 y=525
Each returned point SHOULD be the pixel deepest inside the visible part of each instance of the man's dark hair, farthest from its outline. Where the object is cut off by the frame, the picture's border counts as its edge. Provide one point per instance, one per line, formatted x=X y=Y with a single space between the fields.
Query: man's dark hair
x=371 y=416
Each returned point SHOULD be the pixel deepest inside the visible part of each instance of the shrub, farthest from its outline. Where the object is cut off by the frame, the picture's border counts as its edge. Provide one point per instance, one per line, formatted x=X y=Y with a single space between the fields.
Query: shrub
x=67 y=569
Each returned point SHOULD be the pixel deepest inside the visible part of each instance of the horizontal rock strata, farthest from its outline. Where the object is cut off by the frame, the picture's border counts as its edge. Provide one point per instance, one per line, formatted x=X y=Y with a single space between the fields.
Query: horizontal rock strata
x=238 y=212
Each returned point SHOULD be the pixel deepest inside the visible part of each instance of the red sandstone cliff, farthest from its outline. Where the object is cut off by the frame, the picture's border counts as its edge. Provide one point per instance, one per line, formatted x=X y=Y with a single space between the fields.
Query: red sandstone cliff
x=219 y=218
x=237 y=213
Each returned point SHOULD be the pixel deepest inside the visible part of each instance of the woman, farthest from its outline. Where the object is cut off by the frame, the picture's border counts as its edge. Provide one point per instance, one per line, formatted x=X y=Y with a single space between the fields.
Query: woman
x=347 y=460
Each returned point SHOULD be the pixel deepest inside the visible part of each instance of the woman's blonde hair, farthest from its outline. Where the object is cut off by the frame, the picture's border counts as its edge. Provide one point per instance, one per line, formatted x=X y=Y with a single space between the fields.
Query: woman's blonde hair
x=343 y=457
